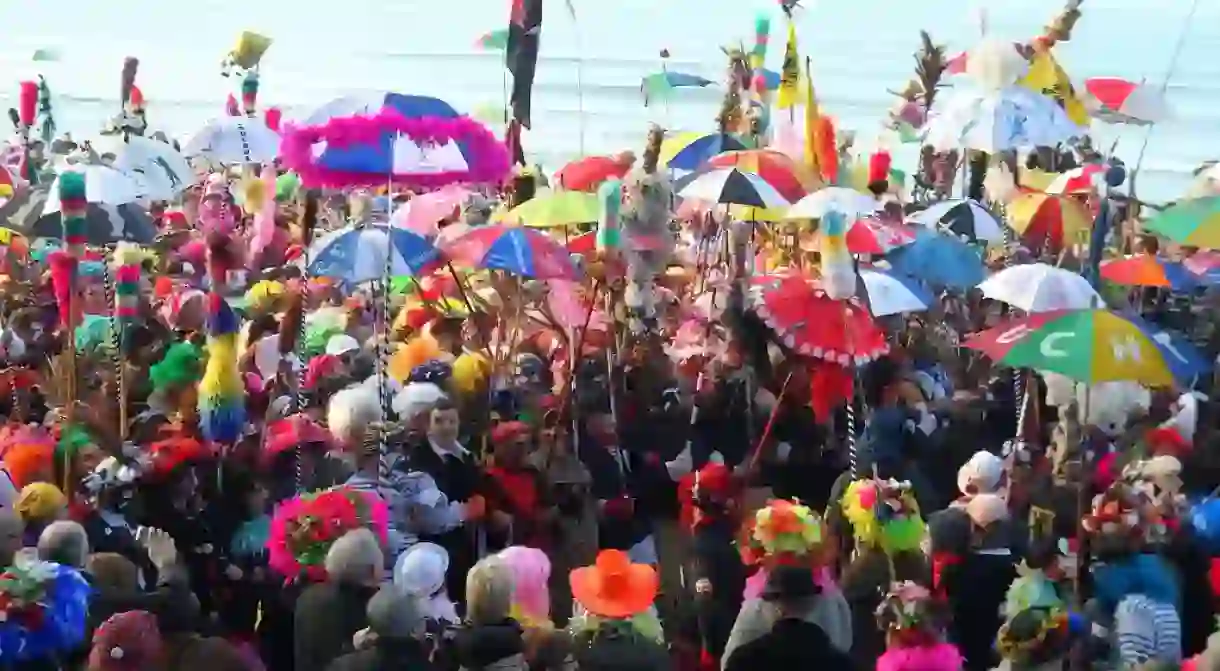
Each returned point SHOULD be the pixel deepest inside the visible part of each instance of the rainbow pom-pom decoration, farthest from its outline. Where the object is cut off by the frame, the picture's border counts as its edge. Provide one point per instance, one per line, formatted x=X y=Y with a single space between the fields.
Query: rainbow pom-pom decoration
x=222 y=405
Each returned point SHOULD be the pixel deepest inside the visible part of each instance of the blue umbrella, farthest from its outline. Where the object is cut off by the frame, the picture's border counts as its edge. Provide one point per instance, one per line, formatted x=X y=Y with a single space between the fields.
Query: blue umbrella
x=410 y=106
x=939 y=260
x=1183 y=358
x=357 y=254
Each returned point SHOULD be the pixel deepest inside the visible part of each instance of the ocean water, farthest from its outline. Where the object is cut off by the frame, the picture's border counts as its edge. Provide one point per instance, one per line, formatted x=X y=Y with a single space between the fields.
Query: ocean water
x=586 y=95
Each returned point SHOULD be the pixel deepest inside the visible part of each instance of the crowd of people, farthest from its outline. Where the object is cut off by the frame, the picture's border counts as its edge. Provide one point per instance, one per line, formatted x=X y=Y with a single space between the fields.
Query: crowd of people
x=305 y=427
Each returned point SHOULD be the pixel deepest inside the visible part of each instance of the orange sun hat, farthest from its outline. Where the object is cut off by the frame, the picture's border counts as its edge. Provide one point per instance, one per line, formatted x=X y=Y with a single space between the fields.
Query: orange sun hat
x=614 y=587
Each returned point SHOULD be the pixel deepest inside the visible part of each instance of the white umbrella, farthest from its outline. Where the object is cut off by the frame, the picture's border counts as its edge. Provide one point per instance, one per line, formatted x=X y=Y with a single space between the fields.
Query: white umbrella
x=966 y=217
x=159 y=168
x=1038 y=287
x=1013 y=117
x=849 y=202
x=733 y=186
x=890 y=295
x=103 y=185
x=234 y=139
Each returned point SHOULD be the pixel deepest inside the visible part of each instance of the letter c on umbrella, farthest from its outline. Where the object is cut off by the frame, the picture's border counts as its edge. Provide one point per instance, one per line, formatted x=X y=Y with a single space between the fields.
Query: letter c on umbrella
x=1049 y=348
x=1013 y=334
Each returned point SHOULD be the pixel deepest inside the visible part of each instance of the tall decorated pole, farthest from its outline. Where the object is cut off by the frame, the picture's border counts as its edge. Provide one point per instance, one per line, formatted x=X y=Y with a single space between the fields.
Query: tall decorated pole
x=64 y=266
x=126 y=262
x=27 y=111
x=222 y=406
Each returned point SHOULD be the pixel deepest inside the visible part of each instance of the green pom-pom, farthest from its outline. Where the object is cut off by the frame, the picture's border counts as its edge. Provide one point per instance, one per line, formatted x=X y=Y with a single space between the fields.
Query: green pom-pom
x=316 y=339
x=182 y=366
x=72 y=440
x=71 y=186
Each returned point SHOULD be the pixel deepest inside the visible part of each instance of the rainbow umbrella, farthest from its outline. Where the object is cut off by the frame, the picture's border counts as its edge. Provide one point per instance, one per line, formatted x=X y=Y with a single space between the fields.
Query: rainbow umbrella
x=689 y=151
x=1088 y=346
x=557 y=209
x=1043 y=216
x=775 y=168
x=1146 y=270
x=521 y=251
x=658 y=85
x=1192 y=222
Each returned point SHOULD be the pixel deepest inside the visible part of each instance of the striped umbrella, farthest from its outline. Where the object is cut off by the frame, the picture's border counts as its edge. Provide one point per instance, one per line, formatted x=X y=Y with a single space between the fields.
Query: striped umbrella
x=689 y=151
x=1043 y=216
x=732 y=186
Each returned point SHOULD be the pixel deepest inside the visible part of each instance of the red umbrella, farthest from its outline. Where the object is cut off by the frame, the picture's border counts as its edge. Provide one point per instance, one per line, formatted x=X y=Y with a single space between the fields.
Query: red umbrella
x=810 y=322
x=775 y=168
x=1122 y=101
x=587 y=173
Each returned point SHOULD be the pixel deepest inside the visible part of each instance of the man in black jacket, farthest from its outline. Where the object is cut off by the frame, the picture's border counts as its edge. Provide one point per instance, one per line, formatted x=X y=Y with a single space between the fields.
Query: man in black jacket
x=794 y=642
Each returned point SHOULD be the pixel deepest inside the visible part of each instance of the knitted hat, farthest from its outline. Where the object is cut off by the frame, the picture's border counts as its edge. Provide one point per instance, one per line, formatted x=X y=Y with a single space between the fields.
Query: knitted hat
x=40 y=501
x=129 y=641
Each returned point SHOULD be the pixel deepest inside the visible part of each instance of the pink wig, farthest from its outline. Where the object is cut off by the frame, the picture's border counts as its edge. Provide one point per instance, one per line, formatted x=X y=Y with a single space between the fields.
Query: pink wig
x=938 y=657
x=531 y=570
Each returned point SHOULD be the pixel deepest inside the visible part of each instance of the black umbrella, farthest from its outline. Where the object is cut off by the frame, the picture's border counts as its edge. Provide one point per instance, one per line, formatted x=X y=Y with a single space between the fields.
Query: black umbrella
x=104 y=224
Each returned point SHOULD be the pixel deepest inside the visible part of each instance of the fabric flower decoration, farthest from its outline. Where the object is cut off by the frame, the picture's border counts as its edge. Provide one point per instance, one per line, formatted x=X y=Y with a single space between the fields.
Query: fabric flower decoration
x=303 y=529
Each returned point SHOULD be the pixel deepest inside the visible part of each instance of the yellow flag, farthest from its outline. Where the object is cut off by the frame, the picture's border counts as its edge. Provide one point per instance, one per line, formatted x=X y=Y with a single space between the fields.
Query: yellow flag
x=789 y=74
x=1047 y=77
x=811 y=123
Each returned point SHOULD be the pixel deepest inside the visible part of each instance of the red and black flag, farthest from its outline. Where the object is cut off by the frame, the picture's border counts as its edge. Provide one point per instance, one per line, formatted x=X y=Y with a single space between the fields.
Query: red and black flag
x=521 y=54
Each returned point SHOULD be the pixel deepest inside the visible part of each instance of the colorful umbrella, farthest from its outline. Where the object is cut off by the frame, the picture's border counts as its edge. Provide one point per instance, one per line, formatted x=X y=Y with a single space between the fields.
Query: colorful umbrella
x=1205 y=264
x=422 y=213
x=1192 y=222
x=1146 y=270
x=966 y=218
x=358 y=254
x=658 y=85
x=588 y=173
x=1043 y=216
x=557 y=209
x=939 y=260
x=1040 y=287
x=521 y=251
x=810 y=322
x=1077 y=180
x=731 y=186
x=1116 y=100
x=994 y=121
x=871 y=235
x=495 y=40
x=368 y=104
x=1085 y=345
x=890 y=294
x=849 y=202
x=689 y=151
x=777 y=168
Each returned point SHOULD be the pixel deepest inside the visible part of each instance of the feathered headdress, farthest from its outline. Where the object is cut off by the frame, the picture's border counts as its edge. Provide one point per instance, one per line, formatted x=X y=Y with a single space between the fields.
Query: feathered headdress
x=304 y=528
x=782 y=531
x=884 y=514
x=914 y=631
x=43 y=609
x=1037 y=636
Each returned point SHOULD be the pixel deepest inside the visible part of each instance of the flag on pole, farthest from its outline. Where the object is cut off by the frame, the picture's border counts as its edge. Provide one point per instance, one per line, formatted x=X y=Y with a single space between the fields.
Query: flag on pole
x=812 y=122
x=524 y=33
x=789 y=74
x=1047 y=77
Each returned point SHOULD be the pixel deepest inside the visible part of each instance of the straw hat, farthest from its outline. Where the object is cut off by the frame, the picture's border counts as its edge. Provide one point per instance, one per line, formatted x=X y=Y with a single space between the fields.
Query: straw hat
x=614 y=587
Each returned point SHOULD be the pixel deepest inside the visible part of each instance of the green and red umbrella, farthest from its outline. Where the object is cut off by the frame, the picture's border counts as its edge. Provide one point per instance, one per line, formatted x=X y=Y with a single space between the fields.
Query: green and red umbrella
x=1085 y=345
x=1190 y=222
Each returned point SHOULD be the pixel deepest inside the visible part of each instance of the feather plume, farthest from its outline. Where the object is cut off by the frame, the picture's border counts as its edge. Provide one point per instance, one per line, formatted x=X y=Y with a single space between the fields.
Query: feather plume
x=131 y=65
x=27 y=103
x=63 y=281
x=222 y=406
x=828 y=149
x=272 y=118
x=72 y=206
x=126 y=260
x=249 y=93
x=231 y=106
x=879 y=172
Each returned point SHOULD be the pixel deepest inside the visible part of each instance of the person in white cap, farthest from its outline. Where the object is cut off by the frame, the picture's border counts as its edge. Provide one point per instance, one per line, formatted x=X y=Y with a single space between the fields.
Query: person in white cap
x=420 y=572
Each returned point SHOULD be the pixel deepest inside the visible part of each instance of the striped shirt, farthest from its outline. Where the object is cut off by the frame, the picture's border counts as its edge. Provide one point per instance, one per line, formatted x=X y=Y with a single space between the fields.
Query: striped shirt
x=1147 y=630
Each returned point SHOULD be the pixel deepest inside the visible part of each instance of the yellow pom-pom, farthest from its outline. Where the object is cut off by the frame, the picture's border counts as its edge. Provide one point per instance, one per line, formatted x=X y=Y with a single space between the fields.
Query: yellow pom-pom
x=470 y=373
